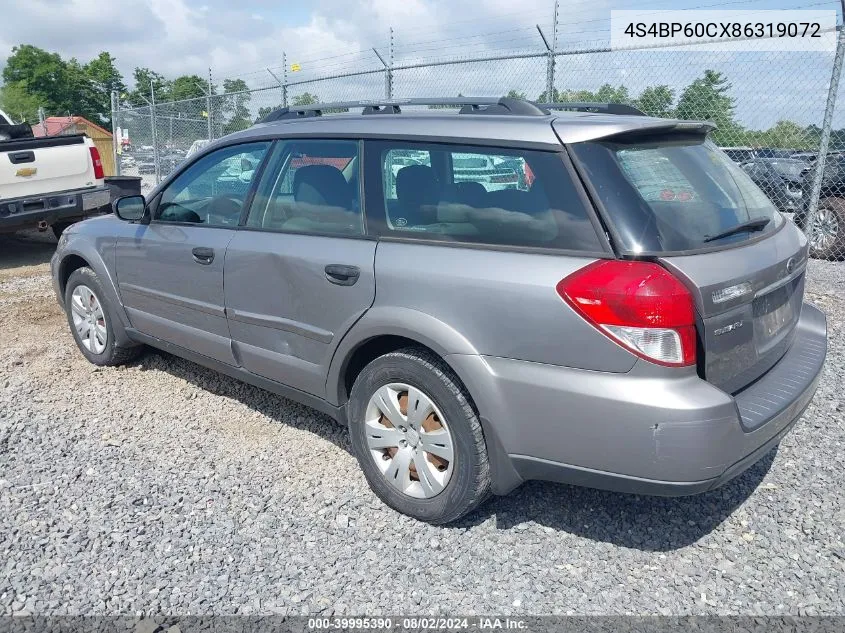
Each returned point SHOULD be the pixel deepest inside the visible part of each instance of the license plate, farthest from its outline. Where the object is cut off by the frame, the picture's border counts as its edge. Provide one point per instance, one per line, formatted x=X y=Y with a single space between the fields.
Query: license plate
x=95 y=200
x=774 y=321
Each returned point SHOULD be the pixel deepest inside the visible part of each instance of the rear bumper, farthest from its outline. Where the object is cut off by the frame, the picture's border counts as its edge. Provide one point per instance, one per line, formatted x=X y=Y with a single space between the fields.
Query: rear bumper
x=644 y=431
x=60 y=206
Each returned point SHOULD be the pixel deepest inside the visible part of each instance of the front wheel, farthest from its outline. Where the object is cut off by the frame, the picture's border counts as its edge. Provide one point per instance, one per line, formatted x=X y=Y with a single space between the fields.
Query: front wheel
x=90 y=320
x=417 y=437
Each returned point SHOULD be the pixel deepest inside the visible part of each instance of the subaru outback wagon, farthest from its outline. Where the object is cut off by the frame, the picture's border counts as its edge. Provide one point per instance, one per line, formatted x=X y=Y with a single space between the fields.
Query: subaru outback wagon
x=604 y=299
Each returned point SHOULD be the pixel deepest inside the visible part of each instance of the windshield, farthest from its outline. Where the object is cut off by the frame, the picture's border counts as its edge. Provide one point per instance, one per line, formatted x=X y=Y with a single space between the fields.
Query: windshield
x=672 y=194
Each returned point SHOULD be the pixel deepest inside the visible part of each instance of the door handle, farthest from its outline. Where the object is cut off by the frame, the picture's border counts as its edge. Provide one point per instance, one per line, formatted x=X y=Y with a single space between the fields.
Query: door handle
x=203 y=255
x=342 y=275
x=22 y=157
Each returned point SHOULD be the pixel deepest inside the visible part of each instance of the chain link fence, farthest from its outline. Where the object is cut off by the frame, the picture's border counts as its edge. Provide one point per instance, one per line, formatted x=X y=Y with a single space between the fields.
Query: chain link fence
x=775 y=111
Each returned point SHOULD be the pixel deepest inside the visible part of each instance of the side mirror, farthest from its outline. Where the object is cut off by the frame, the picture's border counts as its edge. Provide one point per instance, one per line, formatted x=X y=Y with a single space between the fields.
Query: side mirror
x=130 y=208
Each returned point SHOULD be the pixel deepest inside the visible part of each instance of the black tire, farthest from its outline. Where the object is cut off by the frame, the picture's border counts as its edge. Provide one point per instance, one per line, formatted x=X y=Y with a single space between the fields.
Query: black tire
x=469 y=484
x=834 y=248
x=112 y=354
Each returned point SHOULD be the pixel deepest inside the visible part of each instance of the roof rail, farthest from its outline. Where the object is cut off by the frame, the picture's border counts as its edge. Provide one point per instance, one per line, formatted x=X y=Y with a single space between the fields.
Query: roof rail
x=469 y=105
x=587 y=106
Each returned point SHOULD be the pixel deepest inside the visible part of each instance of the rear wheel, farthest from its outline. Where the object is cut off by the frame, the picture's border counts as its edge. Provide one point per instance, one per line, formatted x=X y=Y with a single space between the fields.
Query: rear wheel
x=90 y=320
x=826 y=229
x=417 y=438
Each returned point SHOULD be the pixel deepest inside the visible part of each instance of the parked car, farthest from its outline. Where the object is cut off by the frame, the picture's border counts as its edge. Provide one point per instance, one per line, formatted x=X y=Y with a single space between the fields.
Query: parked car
x=825 y=227
x=494 y=173
x=633 y=320
x=740 y=154
x=773 y=152
x=781 y=179
x=48 y=182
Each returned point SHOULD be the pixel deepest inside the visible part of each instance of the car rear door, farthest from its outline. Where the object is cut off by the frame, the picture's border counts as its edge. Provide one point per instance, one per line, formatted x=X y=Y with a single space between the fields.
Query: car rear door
x=300 y=271
x=170 y=272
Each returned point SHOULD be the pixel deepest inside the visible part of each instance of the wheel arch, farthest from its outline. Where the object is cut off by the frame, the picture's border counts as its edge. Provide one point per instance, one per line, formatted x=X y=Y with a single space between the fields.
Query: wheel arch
x=382 y=330
x=378 y=336
x=79 y=254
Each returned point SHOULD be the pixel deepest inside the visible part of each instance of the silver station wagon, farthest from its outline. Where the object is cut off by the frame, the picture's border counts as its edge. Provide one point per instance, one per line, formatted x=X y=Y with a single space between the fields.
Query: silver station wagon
x=485 y=292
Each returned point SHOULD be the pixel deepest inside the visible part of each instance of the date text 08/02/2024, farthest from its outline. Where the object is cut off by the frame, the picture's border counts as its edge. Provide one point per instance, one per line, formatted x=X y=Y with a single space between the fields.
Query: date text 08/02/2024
x=480 y=623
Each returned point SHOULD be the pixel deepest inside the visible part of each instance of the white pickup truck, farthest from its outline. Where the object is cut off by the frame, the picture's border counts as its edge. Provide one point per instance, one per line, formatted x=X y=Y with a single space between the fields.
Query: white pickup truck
x=47 y=182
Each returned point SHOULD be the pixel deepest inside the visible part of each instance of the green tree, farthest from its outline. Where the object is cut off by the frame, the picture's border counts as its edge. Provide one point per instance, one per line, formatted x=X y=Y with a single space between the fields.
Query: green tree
x=61 y=87
x=544 y=97
x=187 y=87
x=612 y=94
x=656 y=101
x=18 y=103
x=708 y=98
x=104 y=77
x=265 y=110
x=236 y=105
x=144 y=78
x=514 y=94
x=306 y=98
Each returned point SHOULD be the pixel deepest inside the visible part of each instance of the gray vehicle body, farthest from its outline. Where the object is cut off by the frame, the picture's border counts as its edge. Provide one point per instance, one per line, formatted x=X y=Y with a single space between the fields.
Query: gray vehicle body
x=557 y=400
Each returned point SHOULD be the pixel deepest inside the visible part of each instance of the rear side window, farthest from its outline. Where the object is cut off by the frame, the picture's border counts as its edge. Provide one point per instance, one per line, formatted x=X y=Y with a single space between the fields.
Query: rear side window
x=475 y=194
x=673 y=194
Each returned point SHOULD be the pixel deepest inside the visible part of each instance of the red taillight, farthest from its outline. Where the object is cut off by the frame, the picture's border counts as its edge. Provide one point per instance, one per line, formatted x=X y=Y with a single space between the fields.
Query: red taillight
x=99 y=174
x=640 y=305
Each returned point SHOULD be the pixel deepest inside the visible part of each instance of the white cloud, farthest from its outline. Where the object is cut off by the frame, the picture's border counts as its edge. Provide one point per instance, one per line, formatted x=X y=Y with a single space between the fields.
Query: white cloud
x=327 y=37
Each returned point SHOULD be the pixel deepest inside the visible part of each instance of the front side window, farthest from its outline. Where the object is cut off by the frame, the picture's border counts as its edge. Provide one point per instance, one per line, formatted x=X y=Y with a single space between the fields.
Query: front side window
x=213 y=190
x=476 y=194
x=310 y=186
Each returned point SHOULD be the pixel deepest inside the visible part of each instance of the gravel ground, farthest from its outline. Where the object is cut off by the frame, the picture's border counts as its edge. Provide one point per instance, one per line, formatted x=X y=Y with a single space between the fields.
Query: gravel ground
x=163 y=487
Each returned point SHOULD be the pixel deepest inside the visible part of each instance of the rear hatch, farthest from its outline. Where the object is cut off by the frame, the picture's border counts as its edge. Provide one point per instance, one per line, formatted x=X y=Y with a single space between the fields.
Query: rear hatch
x=678 y=200
x=38 y=166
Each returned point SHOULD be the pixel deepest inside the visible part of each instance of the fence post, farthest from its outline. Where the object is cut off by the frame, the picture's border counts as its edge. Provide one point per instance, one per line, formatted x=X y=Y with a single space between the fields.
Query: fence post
x=208 y=107
x=827 y=123
x=285 y=80
x=550 y=70
x=156 y=161
x=115 y=129
x=388 y=85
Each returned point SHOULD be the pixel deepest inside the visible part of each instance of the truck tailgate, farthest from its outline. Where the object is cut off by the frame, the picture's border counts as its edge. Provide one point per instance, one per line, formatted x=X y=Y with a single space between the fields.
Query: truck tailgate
x=33 y=167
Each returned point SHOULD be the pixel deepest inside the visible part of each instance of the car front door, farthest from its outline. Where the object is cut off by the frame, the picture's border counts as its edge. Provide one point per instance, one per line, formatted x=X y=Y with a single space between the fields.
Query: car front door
x=299 y=273
x=170 y=272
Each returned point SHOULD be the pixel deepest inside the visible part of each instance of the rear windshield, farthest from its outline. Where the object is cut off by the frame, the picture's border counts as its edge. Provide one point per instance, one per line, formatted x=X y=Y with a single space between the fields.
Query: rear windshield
x=674 y=194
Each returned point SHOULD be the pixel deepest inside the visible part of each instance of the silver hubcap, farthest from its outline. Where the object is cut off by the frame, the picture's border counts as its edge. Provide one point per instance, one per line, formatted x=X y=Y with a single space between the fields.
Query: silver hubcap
x=823 y=229
x=409 y=440
x=89 y=320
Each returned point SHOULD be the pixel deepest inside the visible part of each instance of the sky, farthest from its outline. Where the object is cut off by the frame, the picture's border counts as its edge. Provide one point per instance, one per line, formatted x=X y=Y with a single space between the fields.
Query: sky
x=326 y=37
